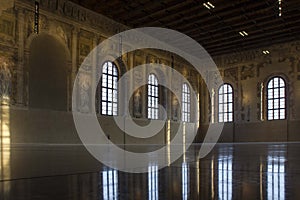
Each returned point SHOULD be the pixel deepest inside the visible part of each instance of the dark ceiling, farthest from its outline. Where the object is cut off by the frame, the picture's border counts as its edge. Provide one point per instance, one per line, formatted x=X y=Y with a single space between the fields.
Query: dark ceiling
x=217 y=29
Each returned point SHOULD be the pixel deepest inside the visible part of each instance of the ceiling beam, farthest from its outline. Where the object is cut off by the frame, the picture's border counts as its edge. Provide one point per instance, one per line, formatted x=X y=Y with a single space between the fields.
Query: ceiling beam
x=225 y=17
x=198 y=10
x=165 y=10
x=128 y=12
x=250 y=28
x=267 y=38
x=236 y=49
x=156 y=13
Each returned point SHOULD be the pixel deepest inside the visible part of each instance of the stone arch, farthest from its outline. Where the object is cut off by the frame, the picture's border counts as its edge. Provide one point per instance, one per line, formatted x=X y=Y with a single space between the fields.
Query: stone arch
x=33 y=36
x=281 y=75
x=48 y=62
x=160 y=75
x=121 y=65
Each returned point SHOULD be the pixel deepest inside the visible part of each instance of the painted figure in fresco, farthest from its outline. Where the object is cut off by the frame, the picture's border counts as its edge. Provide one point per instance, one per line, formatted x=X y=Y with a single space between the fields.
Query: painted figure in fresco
x=175 y=107
x=84 y=87
x=60 y=32
x=5 y=80
x=137 y=108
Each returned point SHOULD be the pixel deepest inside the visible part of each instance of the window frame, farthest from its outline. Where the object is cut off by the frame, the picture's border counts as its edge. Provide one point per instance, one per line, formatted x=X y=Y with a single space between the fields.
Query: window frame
x=285 y=98
x=110 y=102
x=227 y=103
x=150 y=97
x=186 y=101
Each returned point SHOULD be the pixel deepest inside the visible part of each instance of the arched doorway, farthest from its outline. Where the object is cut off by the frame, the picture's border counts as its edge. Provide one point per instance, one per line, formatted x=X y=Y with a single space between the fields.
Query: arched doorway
x=47 y=74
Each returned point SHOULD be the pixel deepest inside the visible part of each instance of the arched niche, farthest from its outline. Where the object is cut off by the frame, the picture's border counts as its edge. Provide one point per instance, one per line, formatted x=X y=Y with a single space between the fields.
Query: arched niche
x=47 y=74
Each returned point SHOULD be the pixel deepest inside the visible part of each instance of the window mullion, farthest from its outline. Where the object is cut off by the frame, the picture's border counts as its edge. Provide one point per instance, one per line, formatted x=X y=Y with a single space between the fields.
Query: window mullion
x=110 y=72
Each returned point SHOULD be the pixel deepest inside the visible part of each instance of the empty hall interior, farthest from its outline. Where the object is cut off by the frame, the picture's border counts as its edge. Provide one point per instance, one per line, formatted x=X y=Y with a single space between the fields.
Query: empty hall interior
x=149 y=100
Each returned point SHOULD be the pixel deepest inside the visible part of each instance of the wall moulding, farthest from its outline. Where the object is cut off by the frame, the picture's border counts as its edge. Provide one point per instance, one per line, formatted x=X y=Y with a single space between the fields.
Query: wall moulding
x=6 y=4
x=77 y=14
x=7 y=27
x=280 y=50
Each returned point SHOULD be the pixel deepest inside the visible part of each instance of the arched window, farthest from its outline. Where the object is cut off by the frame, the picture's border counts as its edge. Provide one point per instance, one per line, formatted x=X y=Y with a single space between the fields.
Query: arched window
x=225 y=103
x=109 y=89
x=152 y=97
x=276 y=99
x=186 y=103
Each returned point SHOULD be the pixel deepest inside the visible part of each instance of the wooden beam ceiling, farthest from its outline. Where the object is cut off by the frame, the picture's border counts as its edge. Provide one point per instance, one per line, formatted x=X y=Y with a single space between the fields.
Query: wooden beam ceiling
x=216 y=29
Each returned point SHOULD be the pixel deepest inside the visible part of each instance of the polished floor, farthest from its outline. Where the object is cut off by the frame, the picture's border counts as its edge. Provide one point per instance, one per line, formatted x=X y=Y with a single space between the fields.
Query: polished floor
x=230 y=171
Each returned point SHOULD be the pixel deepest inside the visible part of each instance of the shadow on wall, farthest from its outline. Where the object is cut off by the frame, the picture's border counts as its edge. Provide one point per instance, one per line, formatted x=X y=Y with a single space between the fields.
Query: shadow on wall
x=47 y=74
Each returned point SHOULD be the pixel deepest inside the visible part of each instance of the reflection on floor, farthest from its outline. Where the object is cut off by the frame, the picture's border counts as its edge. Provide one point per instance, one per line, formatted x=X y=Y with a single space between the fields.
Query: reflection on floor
x=230 y=171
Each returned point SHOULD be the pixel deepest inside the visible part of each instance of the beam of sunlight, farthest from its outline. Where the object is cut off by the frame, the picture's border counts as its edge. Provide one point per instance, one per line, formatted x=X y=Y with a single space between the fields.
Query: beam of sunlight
x=5 y=143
